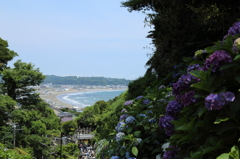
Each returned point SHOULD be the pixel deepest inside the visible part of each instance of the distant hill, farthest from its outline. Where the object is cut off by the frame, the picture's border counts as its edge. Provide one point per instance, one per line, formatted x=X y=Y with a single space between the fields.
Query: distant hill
x=75 y=80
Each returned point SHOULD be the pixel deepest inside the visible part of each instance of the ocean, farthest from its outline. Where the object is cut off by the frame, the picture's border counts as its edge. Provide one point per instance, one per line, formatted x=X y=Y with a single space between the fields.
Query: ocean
x=83 y=99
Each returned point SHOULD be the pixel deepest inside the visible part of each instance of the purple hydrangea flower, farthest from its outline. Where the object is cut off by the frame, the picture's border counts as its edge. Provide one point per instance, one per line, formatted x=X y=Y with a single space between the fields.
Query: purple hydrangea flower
x=124 y=110
x=130 y=120
x=217 y=101
x=217 y=59
x=164 y=123
x=171 y=153
x=214 y=102
x=146 y=102
x=173 y=107
x=122 y=117
x=234 y=30
x=193 y=67
x=229 y=96
x=188 y=98
x=120 y=126
x=183 y=83
x=128 y=102
x=139 y=97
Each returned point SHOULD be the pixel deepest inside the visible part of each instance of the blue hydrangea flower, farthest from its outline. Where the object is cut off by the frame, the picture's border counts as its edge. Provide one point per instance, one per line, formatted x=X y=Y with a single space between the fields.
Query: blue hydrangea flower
x=152 y=120
x=143 y=115
x=127 y=154
x=115 y=157
x=130 y=120
x=120 y=126
x=128 y=102
x=119 y=136
x=150 y=112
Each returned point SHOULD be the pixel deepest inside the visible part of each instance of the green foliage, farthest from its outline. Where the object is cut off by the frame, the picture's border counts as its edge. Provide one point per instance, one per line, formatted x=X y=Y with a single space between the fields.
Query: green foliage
x=5 y=54
x=16 y=82
x=202 y=133
x=182 y=27
x=233 y=154
x=13 y=153
x=69 y=127
x=75 y=80
x=70 y=111
x=142 y=137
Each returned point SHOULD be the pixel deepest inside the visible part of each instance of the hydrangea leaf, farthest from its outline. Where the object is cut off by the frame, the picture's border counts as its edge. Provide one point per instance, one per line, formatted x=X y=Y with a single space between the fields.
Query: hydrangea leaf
x=201 y=110
x=236 y=57
x=218 y=121
x=234 y=107
x=223 y=156
x=199 y=74
x=202 y=85
x=234 y=152
x=135 y=151
x=137 y=133
x=229 y=65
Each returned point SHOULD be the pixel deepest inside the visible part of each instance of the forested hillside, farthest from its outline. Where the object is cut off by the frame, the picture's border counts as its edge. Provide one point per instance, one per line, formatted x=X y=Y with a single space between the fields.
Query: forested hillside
x=75 y=80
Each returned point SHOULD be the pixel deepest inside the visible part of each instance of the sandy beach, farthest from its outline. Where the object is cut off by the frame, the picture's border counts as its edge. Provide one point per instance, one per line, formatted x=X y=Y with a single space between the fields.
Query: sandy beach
x=51 y=97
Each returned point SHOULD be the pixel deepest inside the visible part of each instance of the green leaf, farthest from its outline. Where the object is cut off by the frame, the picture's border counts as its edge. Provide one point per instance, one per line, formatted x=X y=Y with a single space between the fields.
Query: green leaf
x=236 y=57
x=201 y=110
x=220 y=120
x=135 y=151
x=201 y=85
x=223 y=156
x=229 y=65
x=234 y=106
x=199 y=74
x=137 y=133
x=234 y=152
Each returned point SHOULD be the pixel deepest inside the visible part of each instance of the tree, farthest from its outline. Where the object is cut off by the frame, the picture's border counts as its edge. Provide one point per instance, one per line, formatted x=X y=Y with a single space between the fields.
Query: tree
x=5 y=54
x=69 y=127
x=17 y=82
x=182 y=27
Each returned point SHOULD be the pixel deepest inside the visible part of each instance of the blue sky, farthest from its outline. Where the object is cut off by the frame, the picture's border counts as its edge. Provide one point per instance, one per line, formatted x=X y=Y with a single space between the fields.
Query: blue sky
x=76 y=37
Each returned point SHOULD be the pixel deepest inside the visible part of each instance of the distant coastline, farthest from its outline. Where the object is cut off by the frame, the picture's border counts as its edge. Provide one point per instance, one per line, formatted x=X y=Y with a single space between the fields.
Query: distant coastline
x=52 y=97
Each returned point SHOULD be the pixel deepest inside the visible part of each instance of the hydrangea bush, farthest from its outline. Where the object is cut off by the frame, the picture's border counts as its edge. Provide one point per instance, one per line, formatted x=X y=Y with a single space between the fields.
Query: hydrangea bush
x=137 y=134
x=204 y=118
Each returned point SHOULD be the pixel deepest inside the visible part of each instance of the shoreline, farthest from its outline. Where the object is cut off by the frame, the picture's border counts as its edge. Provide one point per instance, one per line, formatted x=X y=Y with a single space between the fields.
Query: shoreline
x=52 y=97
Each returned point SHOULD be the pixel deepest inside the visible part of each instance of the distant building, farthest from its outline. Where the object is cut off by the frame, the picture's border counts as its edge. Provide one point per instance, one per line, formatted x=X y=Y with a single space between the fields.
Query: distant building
x=65 y=116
